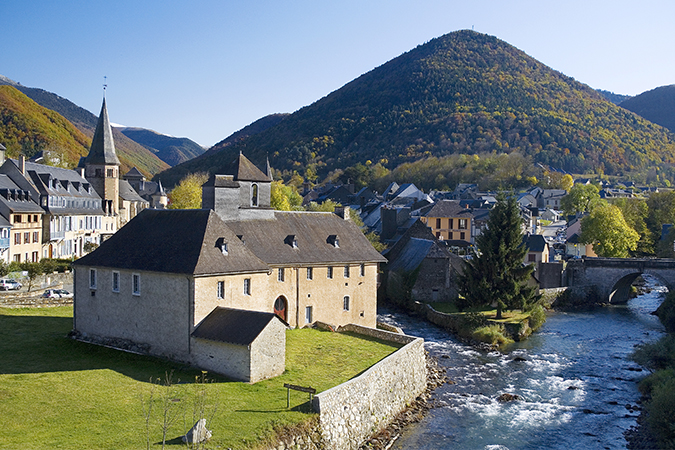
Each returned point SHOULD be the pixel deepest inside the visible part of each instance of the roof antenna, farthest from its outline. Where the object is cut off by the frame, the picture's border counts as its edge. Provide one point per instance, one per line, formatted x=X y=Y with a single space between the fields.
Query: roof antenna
x=105 y=85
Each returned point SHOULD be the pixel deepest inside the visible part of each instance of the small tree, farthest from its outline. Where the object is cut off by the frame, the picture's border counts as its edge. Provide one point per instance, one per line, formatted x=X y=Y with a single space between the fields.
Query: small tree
x=188 y=193
x=33 y=270
x=498 y=273
x=580 y=198
x=608 y=231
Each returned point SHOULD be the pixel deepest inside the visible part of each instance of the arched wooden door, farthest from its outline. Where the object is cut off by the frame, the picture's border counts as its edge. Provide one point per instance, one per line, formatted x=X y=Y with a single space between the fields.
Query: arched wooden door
x=281 y=308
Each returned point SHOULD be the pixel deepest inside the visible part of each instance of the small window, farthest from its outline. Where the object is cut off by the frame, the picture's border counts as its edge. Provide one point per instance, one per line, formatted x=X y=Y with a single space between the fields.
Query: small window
x=362 y=270
x=308 y=314
x=346 y=271
x=450 y=224
x=221 y=289
x=115 y=281
x=462 y=236
x=280 y=274
x=329 y=273
x=438 y=223
x=345 y=303
x=254 y=195
x=26 y=237
x=310 y=273
x=247 y=286
x=462 y=224
x=34 y=256
x=36 y=236
x=136 y=284
x=17 y=218
x=17 y=238
x=35 y=218
x=92 y=278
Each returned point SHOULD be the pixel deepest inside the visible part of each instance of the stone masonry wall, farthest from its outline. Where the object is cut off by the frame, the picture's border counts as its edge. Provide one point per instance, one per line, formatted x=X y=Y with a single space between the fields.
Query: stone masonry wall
x=353 y=411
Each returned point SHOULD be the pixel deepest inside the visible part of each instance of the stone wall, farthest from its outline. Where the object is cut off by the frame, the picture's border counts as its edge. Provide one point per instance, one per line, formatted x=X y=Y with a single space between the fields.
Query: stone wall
x=353 y=411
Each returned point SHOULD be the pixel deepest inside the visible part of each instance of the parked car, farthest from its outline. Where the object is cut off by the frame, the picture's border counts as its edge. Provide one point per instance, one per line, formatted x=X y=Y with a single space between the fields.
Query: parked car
x=57 y=293
x=9 y=285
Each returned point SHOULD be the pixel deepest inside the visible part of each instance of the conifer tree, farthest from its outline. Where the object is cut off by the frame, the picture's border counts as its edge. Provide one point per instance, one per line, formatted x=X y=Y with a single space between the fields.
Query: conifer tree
x=498 y=274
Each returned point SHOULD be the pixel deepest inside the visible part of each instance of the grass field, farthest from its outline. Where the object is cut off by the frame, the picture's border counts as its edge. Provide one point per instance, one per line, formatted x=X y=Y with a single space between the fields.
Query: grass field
x=56 y=393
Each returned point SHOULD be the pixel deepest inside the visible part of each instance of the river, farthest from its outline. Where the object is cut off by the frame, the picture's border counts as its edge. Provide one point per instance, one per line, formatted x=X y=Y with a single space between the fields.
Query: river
x=577 y=387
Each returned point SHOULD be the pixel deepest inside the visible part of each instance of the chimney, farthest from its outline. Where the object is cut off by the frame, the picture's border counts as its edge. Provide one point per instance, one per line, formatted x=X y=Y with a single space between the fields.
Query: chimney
x=22 y=165
x=80 y=171
x=342 y=211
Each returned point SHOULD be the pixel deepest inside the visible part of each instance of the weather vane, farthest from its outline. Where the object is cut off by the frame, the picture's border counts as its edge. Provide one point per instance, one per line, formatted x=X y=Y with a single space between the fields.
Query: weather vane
x=105 y=84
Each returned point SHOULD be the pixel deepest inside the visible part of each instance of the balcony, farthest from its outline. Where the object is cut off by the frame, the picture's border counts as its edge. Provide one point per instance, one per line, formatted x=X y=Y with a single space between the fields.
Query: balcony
x=56 y=235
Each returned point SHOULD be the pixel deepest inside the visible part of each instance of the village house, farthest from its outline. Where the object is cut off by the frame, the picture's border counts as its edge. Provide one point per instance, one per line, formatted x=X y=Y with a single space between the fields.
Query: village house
x=155 y=282
x=449 y=221
x=20 y=211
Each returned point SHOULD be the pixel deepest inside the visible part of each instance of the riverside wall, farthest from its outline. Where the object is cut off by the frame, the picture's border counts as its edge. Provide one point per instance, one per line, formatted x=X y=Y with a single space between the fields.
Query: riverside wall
x=352 y=412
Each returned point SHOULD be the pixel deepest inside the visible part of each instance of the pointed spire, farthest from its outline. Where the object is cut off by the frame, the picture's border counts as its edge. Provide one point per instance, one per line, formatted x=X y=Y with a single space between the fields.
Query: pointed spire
x=268 y=169
x=160 y=189
x=102 y=149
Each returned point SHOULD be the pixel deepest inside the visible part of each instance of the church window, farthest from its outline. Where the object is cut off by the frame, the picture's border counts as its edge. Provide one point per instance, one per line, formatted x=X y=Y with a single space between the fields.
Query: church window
x=254 y=195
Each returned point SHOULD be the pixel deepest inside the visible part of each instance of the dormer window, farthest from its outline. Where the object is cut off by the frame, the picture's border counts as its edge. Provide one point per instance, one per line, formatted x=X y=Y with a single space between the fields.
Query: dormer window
x=334 y=240
x=222 y=246
x=291 y=240
x=241 y=238
x=254 y=194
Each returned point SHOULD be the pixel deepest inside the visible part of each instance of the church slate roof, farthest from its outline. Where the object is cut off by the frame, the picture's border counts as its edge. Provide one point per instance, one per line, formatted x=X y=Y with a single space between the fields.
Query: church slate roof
x=102 y=149
x=234 y=326
x=175 y=241
x=268 y=239
x=243 y=170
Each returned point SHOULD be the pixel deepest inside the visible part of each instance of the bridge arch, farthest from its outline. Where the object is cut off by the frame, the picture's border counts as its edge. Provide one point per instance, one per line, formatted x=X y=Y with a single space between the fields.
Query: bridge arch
x=608 y=280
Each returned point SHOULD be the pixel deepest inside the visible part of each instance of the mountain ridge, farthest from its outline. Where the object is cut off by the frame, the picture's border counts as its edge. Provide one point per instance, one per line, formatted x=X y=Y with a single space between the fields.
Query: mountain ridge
x=463 y=92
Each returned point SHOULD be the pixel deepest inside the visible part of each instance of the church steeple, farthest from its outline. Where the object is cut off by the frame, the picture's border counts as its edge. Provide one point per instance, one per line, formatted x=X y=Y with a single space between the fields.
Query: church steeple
x=101 y=166
x=102 y=149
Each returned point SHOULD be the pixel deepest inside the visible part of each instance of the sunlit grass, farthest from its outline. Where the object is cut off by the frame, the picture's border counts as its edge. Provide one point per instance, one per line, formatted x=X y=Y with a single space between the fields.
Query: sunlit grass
x=59 y=393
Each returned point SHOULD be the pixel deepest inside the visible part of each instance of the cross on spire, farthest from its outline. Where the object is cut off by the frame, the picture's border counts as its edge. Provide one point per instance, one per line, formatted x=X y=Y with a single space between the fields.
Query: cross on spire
x=105 y=84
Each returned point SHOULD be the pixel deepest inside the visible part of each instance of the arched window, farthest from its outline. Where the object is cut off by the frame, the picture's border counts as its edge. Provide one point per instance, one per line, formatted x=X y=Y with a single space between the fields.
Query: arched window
x=254 y=195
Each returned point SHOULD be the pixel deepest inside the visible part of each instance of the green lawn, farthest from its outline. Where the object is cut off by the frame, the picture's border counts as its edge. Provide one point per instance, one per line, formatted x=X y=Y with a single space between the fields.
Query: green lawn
x=56 y=393
x=488 y=312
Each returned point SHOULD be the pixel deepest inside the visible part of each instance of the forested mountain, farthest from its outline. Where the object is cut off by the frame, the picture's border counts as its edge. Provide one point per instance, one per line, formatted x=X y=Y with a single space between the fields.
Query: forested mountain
x=171 y=150
x=466 y=93
x=130 y=153
x=657 y=105
x=612 y=97
x=27 y=128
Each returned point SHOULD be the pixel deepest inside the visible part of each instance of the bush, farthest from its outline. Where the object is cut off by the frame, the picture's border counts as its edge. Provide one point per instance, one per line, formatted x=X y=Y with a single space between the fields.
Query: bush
x=656 y=355
x=659 y=377
x=491 y=334
x=660 y=412
x=537 y=317
x=666 y=312
x=469 y=322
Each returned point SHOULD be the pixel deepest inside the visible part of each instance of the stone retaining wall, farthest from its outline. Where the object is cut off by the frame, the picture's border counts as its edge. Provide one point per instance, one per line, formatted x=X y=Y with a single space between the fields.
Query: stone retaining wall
x=353 y=411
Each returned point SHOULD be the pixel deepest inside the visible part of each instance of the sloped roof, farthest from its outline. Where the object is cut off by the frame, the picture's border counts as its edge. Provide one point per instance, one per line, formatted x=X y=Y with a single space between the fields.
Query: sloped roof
x=27 y=205
x=102 y=150
x=133 y=173
x=267 y=239
x=129 y=193
x=175 y=241
x=535 y=243
x=234 y=326
x=412 y=255
x=448 y=208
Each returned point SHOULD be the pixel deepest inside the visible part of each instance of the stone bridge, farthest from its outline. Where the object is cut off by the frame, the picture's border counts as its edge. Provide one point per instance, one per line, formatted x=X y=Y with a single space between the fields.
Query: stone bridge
x=608 y=280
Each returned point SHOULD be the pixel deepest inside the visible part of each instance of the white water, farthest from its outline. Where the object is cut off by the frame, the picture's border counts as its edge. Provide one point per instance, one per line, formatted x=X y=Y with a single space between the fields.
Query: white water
x=575 y=383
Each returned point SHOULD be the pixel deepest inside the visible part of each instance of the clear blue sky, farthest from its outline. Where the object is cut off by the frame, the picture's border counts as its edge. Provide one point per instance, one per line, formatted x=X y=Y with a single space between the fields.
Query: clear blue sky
x=204 y=69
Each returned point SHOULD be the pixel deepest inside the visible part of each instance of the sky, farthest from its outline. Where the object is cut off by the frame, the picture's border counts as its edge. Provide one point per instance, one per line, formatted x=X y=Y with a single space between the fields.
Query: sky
x=205 y=69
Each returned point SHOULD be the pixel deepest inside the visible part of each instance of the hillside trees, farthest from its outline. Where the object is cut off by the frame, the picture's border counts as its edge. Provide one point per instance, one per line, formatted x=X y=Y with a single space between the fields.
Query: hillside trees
x=285 y=198
x=498 y=274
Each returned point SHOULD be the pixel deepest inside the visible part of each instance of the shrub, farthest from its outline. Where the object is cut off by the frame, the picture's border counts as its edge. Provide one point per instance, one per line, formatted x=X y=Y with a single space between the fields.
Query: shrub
x=491 y=334
x=666 y=312
x=656 y=355
x=537 y=317
x=659 y=377
x=660 y=412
